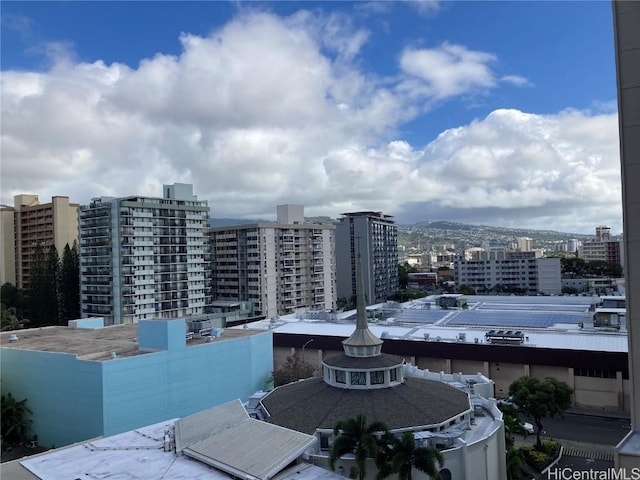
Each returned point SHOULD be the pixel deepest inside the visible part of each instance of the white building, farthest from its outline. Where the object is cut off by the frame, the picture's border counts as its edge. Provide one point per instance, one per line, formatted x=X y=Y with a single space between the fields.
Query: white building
x=280 y=267
x=375 y=236
x=143 y=257
x=521 y=271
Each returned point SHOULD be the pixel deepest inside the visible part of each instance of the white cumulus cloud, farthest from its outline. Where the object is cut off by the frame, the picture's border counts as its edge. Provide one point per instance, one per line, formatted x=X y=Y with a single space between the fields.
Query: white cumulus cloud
x=268 y=110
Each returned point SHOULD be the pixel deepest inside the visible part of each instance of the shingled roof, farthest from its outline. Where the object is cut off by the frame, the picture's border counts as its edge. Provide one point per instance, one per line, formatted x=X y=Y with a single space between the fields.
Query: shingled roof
x=311 y=404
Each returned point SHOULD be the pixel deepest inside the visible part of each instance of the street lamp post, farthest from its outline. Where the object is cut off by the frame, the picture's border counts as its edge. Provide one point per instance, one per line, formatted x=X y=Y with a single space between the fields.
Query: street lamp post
x=306 y=343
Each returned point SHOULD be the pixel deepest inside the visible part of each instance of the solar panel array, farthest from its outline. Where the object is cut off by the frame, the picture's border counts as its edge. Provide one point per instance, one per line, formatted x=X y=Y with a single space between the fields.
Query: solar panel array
x=419 y=315
x=533 y=307
x=513 y=319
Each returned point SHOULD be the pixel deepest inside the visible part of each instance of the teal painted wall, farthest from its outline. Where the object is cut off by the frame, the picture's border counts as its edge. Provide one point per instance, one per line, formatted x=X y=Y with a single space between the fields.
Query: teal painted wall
x=74 y=400
x=157 y=386
x=64 y=394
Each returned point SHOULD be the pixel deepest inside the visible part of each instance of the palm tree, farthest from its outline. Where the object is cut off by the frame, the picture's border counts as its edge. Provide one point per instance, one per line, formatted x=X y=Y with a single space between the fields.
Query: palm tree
x=15 y=424
x=354 y=435
x=405 y=456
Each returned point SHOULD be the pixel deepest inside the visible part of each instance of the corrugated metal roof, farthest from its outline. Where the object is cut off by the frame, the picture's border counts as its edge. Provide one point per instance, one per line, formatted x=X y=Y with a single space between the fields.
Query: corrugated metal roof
x=197 y=427
x=251 y=449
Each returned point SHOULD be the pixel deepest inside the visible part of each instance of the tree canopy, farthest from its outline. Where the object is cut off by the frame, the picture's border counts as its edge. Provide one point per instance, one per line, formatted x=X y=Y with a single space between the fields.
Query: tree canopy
x=15 y=419
x=538 y=399
x=402 y=455
x=294 y=369
x=355 y=435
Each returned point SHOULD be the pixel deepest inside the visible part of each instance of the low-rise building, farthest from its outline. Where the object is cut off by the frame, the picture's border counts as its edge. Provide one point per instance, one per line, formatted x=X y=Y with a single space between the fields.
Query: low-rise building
x=88 y=380
x=522 y=272
x=501 y=337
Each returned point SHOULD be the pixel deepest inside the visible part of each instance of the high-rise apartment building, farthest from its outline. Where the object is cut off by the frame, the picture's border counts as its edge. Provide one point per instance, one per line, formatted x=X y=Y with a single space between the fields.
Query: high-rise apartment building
x=280 y=267
x=375 y=236
x=524 y=244
x=144 y=257
x=509 y=271
x=28 y=224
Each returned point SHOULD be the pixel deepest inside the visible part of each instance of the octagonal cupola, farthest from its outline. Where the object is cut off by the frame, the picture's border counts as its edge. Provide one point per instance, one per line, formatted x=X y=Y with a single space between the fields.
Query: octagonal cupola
x=362 y=366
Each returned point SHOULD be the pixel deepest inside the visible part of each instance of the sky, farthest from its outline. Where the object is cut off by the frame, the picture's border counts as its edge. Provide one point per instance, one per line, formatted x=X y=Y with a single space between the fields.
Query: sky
x=494 y=113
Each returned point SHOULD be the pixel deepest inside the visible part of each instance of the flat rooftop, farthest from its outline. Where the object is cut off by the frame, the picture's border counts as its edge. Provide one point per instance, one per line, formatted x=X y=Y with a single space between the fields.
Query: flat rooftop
x=98 y=344
x=545 y=322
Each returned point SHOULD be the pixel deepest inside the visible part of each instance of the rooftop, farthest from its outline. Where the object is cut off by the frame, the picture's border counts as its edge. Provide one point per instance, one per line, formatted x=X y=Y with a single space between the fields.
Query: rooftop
x=545 y=321
x=139 y=455
x=97 y=344
x=312 y=404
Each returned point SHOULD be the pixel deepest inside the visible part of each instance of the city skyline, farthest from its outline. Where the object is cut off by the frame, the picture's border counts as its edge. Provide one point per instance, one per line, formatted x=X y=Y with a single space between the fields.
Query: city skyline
x=481 y=113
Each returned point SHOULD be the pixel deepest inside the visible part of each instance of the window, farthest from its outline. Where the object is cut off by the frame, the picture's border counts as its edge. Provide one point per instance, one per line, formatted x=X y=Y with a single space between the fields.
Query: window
x=358 y=378
x=594 y=372
x=377 y=377
x=394 y=375
x=340 y=377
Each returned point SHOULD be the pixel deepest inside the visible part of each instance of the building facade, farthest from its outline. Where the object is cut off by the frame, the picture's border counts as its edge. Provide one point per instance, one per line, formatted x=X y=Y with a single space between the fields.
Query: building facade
x=603 y=248
x=513 y=271
x=375 y=236
x=627 y=48
x=28 y=224
x=144 y=257
x=280 y=267
x=7 y=246
x=88 y=381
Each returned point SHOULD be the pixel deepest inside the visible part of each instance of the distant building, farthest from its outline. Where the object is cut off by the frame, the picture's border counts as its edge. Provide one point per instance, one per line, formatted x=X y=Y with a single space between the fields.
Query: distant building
x=28 y=224
x=144 y=257
x=603 y=248
x=572 y=245
x=510 y=271
x=7 y=245
x=280 y=267
x=375 y=236
x=524 y=244
x=87 y=381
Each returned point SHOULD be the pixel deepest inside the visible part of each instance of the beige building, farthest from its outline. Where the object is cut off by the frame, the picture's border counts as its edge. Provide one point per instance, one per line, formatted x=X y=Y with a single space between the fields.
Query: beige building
x=29 y=223
x=8 y=246
x=280 y=267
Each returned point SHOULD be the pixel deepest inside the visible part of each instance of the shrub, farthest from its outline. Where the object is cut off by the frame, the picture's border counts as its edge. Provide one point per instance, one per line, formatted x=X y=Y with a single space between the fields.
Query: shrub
x=541 y=458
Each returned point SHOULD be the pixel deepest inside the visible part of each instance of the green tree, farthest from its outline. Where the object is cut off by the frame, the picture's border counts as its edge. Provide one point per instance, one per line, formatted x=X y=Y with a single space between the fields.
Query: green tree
x=570 y=290
x=538 y=399
x=354 y=435
x=512 y=425
x=43 y=286
x=37 y=288
x=69 y=285
x=15 y=419
x=10 y=321
x=466 y=290
x=573 y=267
x=404 y=270
x=293 y=370
x=404 y=456
x=52 y=272
x=10 y=295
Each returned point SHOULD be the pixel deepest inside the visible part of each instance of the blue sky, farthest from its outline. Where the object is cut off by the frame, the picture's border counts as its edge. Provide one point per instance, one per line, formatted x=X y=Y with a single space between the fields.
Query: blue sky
x=499 y=113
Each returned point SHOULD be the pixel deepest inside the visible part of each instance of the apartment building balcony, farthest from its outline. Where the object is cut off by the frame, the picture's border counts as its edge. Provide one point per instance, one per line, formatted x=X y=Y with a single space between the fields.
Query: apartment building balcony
x=145 y=311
